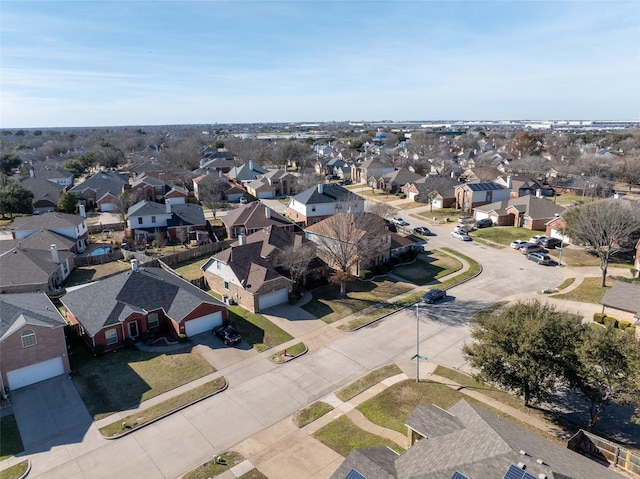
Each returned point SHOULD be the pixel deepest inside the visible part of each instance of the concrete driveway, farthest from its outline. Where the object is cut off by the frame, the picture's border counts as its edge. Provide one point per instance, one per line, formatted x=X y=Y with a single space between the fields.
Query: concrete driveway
x=50 y=413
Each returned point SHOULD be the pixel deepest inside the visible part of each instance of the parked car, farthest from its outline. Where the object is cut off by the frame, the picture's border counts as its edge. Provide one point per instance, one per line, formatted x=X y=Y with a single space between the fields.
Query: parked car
x=399 y=221
x=539 y=258
x=462 y=219
x=531 y=248
x=484 y=223
x=434 y=294
x=243 y=200
x=332 y=177
x=421 y=230
x=346 y=182
x=536 y=239
x=461 y=236
x=550 y=242
x=518 y=243
x=228 y=334
x=463 y=229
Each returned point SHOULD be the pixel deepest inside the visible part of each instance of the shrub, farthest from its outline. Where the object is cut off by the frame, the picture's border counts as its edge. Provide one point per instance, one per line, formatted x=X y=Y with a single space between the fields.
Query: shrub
x=599 y=317
x=623 y=324
x=183 y=338
x=129 y=343
x=365 y=274
x=610 y=322
x=98 y=350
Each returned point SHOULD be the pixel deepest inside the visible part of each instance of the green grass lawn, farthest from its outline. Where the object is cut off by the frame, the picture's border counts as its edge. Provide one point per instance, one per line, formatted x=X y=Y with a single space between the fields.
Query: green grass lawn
x=10 y=441
x=358 y=386
x=328 y=306
x=343 y=436
x=191 y=269
x=119 y=380
x=504 y=235
x=589 y=291
x=16 y=471
x=428 y=267
x=443 y=213
x=212 y=469
x=311 y=413
x=567 y=199
x=257 y=330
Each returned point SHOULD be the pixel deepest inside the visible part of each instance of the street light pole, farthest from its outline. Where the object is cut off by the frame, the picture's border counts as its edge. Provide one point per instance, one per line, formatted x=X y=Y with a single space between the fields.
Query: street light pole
x=561 y=248
x=417 y=344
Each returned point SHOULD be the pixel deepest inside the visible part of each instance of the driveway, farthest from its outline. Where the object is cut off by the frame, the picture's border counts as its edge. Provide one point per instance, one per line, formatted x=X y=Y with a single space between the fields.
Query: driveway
x=50 y=413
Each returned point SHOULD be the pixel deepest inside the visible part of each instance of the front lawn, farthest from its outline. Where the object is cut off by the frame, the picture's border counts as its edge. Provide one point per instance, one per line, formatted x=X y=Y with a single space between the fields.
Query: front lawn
x=330 y=307
x=120 y=380
x=442 y=214
x=427 y=268
x=589 y=291
x=257 y=330
x=16 y=471
x=504 y=235
x=311 y=413
x=215 y=468
x=10 y=441
x=358 y=386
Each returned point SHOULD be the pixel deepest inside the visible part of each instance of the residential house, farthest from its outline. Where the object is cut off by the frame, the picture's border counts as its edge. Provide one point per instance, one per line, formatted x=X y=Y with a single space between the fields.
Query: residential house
x=145 y=217
x=361 y=172
x=556 y=228
x=253 y=217
x=232 y=193
x=468 y=441
x=528 y=211
x=178 y=195
x=151 y=168
x=32 y=341
x=52 y=174
x=260 y=189
x=471 y=195
x=621 y=302
x=244 y=274
x=320 y=202
x=395 y=180
x=39 y=262
x=340 y=231
x=246 y=173
x=101 y=190
x=282 y=182
x=137 y=301
x=148 y=188
x=70 y=226
x=439 y=190
x=321 y=165
x=46 y=194
x=522 y=186
x=590 y=186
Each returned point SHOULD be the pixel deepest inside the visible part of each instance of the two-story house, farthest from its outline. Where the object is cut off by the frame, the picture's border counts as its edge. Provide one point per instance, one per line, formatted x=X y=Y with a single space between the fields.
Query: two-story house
x=361 y=172
x=470 y=195
x=253 y=217
x=321 y=201
x=145 y=217
x=73 y=227
x=101 y=190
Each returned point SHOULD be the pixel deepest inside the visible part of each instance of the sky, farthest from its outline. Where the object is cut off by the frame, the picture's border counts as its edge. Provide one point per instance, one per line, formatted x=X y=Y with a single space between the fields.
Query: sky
x=116 y=63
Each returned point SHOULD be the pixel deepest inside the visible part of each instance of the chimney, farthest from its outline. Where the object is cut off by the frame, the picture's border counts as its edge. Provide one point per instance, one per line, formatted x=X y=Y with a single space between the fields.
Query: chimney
x=267 y=212
x=135 y=176
x=242 y=239
x=134 y=264
x=538 y=193
x=167 y=205
x=83 y=211
x=509 y=184
x=54 y=254
x=320 y=188
x=219 y=173
x=251 y=165
x=31 y=173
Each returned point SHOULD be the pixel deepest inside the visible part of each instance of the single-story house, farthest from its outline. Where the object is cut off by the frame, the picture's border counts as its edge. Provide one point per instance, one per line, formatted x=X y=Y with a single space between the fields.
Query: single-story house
x=46 y=194
x=441 y=190
x=395 y=180
x=622 y=302
x=253 y=217
x=321 y=201
x=129 y=304
x=468 y=441
x=527 y=211
x=246 y=173
x=32 y=341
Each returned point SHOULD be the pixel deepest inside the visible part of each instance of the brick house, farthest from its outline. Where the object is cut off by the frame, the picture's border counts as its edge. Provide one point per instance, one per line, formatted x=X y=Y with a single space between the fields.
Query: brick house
x=320 y=202
x=32 y=341
x=253 y=217
x=129 y=304
x=101 y=190
x=526 y=211
x=471 y=195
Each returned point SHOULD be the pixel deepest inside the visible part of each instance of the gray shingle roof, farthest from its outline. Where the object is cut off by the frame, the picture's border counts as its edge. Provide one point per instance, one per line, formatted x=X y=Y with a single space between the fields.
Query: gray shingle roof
x=104 y=182
x=46 y=221
x=330 y=194
x=536 y=208
x=245 y=173
x=624 y=296
x=43 y=189
x=27 y=308
x=111 y=300
x=484 y=186
x=253 y=216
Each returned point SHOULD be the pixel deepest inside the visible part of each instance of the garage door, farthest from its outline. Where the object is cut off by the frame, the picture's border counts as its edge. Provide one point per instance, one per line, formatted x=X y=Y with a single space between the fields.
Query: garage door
x=203 y=324
x=412 y=195
x=480 y=215
x=105 y=207
x=19 y=378
x=271 y=299
x=265 y=194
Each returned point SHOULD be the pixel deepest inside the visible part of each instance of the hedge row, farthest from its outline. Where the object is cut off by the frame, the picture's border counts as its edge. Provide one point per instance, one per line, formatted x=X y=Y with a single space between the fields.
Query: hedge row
x=624 y=325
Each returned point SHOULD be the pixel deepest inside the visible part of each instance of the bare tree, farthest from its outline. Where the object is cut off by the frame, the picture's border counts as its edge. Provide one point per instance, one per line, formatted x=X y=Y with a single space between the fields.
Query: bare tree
x=296 y=259
x=159 y=239
x=524 y=144
x=307 y=179
x=347 y=241
x=123 y=203
x=182 y=233
x=211 y=192
x=383 y=210
x=606 y=226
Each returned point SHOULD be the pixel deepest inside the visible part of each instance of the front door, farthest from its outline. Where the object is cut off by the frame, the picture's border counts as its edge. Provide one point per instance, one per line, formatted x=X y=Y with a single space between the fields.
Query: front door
x=133 y=329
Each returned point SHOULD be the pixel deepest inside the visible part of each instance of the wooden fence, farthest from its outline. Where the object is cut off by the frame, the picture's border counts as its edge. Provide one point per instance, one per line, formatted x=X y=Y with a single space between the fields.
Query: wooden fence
x=591 y=445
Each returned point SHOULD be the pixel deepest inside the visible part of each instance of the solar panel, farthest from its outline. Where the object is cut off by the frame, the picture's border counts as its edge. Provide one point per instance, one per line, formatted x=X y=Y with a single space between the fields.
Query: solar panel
x=514 y=472
x=457 y=475
x=353 y=474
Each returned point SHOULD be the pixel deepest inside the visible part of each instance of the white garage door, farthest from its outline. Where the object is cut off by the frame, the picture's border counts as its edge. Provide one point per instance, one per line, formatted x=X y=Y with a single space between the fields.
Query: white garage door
x=19 y=378
x=203 y=324
x=271 y=299
x=104 y=207
x=265 y=194
x=480 y=215
x=413 y=194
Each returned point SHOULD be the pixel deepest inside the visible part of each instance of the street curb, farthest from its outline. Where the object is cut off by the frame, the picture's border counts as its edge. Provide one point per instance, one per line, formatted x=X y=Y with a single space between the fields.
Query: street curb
x=135 y=428
x=288 y=358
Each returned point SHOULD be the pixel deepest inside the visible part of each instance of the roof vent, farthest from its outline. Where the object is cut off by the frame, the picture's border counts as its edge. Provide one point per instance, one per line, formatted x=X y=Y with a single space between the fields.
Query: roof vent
x=522 y=465
x=320 y=188
x=542 y=475
x=523 y=452
x=541 y=462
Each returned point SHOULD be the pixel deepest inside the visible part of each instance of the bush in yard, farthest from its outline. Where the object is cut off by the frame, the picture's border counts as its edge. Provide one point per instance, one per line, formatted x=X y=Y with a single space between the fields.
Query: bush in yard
x=183 y=338
x=129 y=343
x=610 y=322
x=623 y=324
x=599 y=317
x=365 y=274
x=98 y=350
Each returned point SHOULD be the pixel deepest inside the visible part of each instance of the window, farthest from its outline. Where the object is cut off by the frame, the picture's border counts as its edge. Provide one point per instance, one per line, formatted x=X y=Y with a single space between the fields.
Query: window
x=226 y=285
x=140 y=220
x=218 y=265
x=111 y=336
x=153 y=219
x=65 y=269
x=28 y=338
x=153 y=321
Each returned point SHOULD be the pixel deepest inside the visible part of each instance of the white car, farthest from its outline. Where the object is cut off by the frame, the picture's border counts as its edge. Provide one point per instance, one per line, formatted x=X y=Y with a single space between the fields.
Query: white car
x=243 y=200
x=518 y=243
x=460 y=236
x=536 y=239
x=399 y=221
